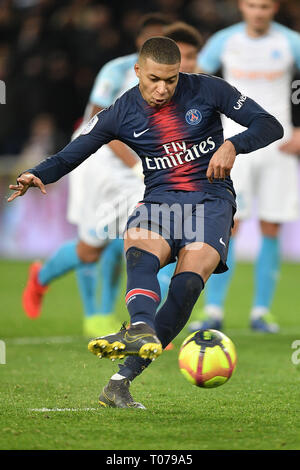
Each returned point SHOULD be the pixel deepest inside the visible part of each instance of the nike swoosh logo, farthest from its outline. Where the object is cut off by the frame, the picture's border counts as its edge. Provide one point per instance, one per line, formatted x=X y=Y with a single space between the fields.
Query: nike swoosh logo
x=222 y=243
x=138 y=134
x=132 y=339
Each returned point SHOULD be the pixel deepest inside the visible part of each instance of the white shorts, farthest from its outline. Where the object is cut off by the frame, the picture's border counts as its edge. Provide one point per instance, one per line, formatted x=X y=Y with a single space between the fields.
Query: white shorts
x=102 y=193
x=268 y=180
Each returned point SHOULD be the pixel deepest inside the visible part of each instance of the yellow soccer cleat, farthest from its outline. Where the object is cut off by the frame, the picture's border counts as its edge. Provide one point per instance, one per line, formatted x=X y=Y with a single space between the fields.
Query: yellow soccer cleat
x=138 y=340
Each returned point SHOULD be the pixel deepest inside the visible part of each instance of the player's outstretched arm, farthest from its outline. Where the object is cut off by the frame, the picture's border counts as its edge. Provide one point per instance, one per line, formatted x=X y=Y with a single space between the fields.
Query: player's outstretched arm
x=25 y=181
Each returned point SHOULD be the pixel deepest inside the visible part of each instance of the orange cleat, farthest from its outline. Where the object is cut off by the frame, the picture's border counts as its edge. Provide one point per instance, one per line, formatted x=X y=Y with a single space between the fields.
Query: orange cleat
x=33 y=293
x=169 y=347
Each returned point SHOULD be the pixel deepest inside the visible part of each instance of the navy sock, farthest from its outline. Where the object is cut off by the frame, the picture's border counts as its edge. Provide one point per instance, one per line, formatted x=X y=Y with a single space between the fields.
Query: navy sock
x=143 y=291
x=184 y=291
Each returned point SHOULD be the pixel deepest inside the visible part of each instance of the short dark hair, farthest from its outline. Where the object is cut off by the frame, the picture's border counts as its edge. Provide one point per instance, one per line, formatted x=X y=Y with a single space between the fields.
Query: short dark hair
x=152 y=19
x=161 y=49
x=183 y=32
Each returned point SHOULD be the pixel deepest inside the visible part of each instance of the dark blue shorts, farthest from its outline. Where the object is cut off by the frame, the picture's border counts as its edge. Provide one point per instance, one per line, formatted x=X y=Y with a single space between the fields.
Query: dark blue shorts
x=183 y=217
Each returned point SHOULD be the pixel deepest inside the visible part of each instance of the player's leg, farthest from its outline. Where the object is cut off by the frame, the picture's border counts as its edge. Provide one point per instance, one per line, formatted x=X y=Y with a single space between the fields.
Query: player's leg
x=196 y=261
x=216 y=289
x=66 y=258
x=195 y=264
x=275 y=207
x=266 y=277
x=164 y=277
x=110 y=273
x=88 y=282
x=146 y=253
x=194 y=267
x=101 y=317
x=213 y=313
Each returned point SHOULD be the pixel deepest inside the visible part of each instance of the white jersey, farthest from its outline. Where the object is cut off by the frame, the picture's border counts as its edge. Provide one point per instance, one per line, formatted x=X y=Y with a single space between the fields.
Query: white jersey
x=114 y=79
x=261 y=68
x=111 y=174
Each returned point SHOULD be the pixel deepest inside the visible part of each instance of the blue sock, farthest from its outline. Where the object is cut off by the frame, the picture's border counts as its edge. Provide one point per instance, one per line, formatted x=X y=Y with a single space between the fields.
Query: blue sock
x=217 y=286
x=143 y=291
x=110 y=272
x=64 y=259
x=87 y=278
x=164 y=278
x=266 y=272
x=184 y=291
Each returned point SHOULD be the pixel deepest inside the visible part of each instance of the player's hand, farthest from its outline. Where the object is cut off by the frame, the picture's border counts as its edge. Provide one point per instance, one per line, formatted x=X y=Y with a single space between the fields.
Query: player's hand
x=221 y=162
x=292 y=146
x=24 y=182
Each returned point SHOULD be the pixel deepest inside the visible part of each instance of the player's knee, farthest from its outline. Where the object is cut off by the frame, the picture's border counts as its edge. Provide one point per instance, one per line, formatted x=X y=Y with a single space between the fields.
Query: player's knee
x=269 y=229
x=88 y=254
x=141 y=260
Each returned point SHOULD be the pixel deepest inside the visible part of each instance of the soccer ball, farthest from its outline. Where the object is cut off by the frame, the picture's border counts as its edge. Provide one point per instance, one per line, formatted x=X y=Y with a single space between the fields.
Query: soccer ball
x=207 y=358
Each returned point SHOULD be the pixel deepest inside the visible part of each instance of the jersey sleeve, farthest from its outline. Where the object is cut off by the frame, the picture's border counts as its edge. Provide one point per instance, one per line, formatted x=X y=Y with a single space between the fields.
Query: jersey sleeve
x=101 y=129
x=107 y=84
x=262 y=127
x=209 y=58
x=293 y=38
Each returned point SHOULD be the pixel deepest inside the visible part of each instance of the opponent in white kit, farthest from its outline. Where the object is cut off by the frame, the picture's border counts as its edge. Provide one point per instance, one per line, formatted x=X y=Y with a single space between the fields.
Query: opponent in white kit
x=258 y=57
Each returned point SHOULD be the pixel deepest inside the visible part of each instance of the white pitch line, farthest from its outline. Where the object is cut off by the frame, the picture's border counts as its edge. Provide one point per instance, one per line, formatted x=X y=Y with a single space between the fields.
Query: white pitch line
x=43 y=340
x=295 y=331
x=46 y=410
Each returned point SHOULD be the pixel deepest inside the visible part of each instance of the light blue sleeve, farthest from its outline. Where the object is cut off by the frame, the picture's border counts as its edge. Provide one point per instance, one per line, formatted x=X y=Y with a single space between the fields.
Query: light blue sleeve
x=293 y=38
x=109 y=81
x=210 y=57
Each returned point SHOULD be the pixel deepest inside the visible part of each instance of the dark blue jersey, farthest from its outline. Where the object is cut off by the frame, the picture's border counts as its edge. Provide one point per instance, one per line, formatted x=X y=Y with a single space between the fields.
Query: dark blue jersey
x=175 y=142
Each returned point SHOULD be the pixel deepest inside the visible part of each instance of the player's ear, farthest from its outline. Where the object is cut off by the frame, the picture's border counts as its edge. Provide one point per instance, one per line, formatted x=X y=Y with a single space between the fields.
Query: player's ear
x=137 y=69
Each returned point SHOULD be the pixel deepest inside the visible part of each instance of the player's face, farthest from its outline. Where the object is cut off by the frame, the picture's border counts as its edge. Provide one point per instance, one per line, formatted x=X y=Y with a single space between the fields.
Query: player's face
x=189 y=54
x=258 y=13
x=157 y=82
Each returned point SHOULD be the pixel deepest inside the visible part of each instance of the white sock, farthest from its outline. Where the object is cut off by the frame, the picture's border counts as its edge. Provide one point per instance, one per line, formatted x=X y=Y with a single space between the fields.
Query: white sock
x=214 y=312
x=138 y=323
x=258 y=312
x=117 y=377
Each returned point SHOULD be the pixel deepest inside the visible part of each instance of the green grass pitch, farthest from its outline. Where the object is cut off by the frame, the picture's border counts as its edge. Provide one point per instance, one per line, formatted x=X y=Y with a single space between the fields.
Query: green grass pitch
x=48 y=367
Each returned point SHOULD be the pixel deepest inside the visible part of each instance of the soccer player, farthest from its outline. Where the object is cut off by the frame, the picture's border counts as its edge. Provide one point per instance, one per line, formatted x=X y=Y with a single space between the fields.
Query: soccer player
x=189 y=41
x=118 y=180
x=172 y=121
x=257 y=56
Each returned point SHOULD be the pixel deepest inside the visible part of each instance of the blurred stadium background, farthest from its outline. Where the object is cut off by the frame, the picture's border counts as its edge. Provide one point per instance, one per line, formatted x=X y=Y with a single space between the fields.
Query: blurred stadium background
x=50 y=53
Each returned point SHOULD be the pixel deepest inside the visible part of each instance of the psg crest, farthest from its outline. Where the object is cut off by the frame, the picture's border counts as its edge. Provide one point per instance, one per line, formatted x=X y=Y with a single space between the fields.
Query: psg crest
x=193 y=117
